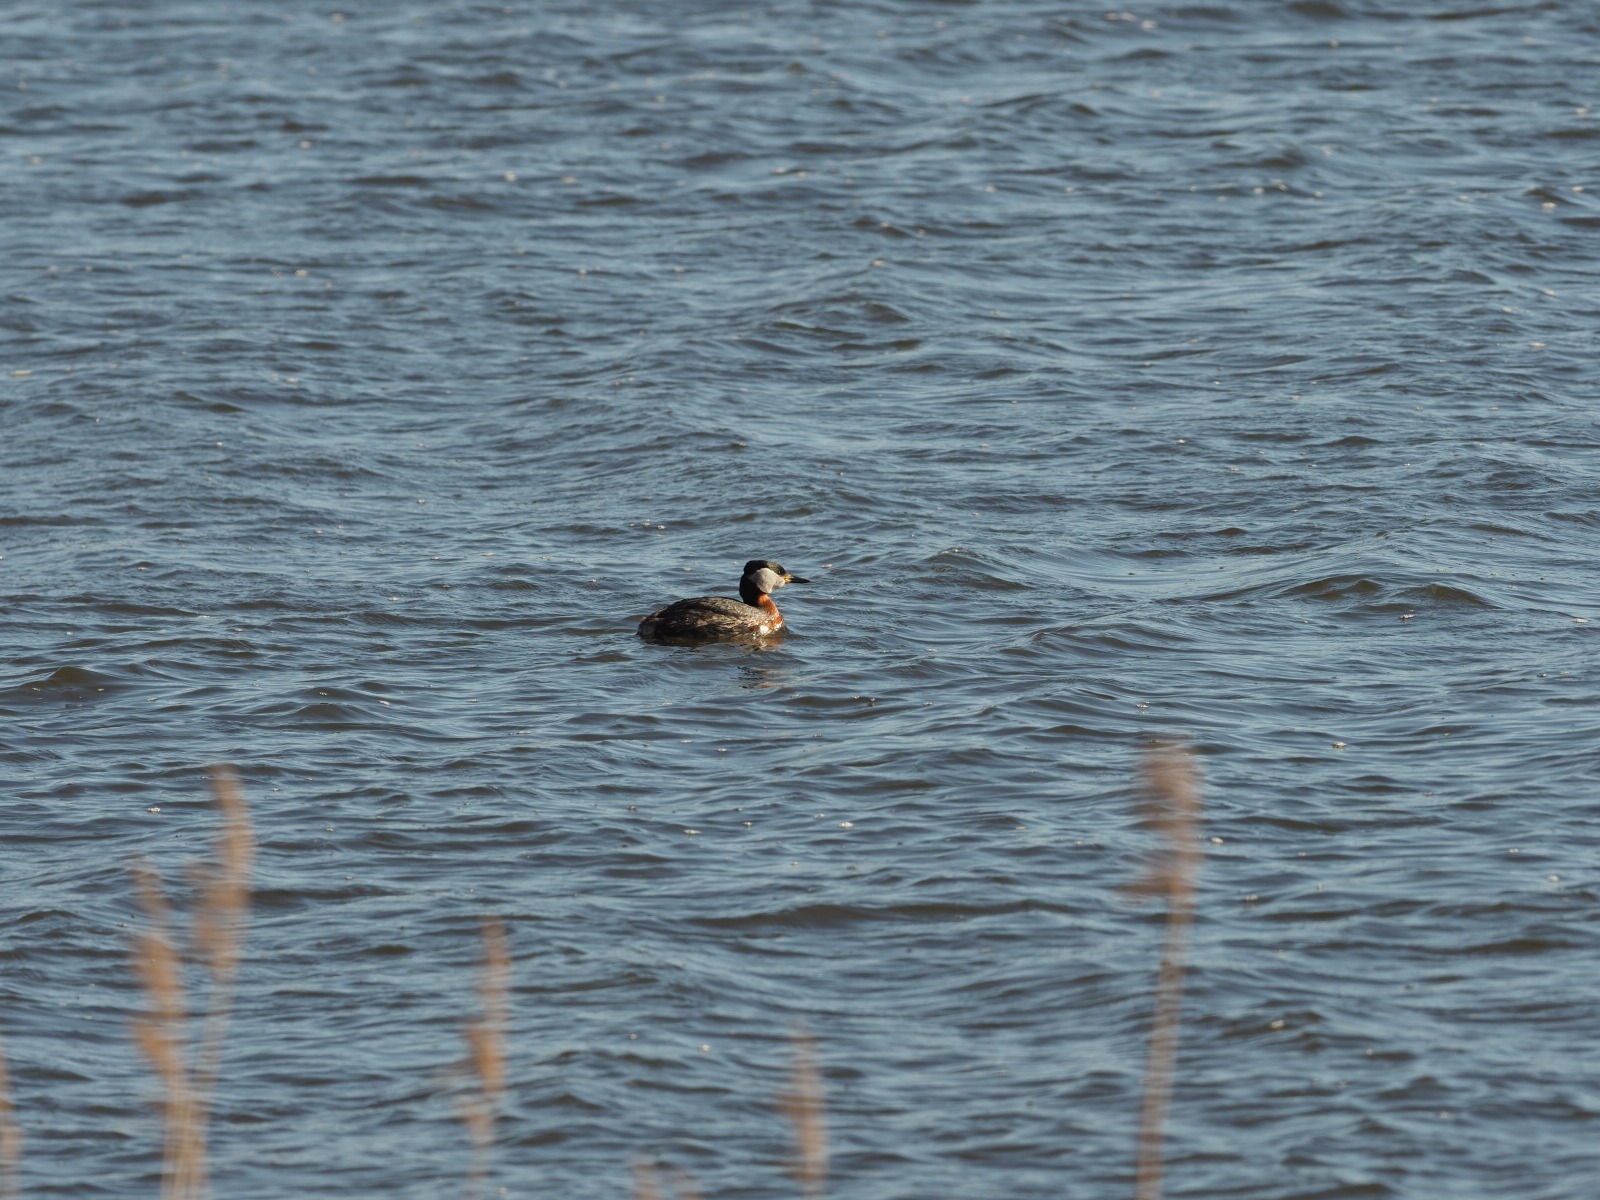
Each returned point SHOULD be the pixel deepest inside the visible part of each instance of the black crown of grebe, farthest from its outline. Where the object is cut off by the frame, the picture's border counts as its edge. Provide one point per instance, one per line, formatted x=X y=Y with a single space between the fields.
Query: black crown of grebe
x=721 y=618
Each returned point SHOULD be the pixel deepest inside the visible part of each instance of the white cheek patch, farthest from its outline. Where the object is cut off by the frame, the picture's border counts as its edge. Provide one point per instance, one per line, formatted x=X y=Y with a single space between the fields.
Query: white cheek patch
x=766 y=580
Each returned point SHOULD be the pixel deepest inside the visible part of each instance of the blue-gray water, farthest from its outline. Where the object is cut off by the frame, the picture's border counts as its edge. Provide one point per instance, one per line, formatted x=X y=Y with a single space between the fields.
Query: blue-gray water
x=1214 y=372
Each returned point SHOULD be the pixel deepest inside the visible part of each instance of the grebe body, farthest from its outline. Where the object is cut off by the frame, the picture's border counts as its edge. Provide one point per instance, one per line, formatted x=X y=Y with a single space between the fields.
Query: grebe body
x=722 y=618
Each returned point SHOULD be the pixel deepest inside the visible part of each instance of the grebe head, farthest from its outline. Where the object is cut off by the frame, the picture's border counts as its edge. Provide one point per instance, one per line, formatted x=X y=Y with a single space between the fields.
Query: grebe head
x=762 y=577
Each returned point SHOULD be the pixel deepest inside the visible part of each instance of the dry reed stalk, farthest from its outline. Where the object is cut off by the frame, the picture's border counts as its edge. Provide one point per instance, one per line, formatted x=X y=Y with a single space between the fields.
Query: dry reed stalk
x=803 y=1105
x=486 y=1054
x=1170 y=804
x=646 y=1181
x=163 y=1033
x=219 y=925
x=10 y=1134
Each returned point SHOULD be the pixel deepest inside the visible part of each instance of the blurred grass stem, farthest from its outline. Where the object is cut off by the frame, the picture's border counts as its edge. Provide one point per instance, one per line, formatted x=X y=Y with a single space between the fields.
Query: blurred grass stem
x=189 y=1073
x=486 y=1054
x=805 y=1108
x=1170 y=805
x=10 y=1135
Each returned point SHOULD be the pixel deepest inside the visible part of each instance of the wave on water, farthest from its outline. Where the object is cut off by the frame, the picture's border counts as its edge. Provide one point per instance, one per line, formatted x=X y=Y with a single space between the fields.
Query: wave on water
x=1362 y=594
x=65 y=683
x=960 y=567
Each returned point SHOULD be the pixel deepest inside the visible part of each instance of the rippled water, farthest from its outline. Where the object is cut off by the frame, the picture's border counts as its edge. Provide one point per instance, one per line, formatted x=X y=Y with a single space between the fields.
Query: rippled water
x=1213 y=372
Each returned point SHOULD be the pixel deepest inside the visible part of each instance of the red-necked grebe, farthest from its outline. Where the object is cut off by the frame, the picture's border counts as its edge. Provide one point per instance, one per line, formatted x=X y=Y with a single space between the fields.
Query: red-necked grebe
x=718 y=618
